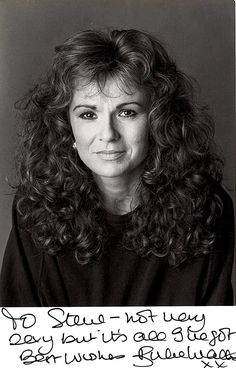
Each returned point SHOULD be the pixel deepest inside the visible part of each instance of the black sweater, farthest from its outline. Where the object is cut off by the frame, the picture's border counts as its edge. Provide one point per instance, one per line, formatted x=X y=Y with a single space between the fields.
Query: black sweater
x=30 y=277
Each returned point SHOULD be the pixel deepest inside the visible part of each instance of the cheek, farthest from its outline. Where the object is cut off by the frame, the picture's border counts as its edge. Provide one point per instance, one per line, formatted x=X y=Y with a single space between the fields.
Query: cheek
x=140 y=139
x=83 y=136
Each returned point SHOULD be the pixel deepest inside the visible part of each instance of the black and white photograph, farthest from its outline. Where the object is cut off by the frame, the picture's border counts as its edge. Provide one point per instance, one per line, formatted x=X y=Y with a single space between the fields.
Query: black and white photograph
x=117 y=153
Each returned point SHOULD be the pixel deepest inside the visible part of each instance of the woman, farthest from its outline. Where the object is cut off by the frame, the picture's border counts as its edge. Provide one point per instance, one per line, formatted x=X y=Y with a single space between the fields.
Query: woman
x=119 y=199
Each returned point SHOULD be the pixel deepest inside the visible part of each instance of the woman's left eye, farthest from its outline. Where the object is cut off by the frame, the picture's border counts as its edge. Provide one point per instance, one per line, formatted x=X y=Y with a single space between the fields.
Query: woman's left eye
x=128 y=113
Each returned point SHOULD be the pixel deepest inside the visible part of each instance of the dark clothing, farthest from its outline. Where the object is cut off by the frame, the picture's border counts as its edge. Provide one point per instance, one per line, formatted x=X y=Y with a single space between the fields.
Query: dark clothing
x=32 y=278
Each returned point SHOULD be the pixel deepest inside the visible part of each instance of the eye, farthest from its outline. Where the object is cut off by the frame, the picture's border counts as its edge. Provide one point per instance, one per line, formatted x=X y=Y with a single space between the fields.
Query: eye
x=128 y=113
x=88 y=115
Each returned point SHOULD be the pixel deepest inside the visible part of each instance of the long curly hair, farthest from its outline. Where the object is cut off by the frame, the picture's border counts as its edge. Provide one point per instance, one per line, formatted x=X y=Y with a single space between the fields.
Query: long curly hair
x=57 y=197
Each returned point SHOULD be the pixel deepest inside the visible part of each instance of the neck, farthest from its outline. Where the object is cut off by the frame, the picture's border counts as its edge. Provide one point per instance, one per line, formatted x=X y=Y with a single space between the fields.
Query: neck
x=119 y=194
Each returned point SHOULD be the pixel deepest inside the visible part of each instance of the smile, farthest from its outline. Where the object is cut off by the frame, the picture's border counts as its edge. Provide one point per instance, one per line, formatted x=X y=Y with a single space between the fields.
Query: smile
x=110 y=155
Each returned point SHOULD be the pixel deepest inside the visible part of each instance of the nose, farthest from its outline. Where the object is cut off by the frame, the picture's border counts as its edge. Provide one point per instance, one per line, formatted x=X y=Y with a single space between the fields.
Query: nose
x=108 y=131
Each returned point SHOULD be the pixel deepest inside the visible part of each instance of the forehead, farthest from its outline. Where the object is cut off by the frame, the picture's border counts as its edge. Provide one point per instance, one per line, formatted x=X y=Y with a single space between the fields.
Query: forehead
x=113 y=89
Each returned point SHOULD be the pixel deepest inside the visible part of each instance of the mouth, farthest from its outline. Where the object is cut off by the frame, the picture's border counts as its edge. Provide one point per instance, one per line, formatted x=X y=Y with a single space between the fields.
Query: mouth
x=110 y=155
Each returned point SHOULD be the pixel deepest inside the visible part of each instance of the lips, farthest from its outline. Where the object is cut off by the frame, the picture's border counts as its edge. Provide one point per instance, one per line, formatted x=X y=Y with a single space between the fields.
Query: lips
x=110 y=155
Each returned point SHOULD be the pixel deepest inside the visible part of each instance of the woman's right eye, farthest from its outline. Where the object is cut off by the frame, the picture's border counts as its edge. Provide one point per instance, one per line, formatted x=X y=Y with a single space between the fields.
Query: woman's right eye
x=88 y=115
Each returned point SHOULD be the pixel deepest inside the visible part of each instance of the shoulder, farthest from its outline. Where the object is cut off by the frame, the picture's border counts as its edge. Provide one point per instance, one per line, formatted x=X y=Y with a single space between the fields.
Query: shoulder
x=226 y=199
x=21 y=268
x=223 y=249
x=226 y=218
x=20 y=236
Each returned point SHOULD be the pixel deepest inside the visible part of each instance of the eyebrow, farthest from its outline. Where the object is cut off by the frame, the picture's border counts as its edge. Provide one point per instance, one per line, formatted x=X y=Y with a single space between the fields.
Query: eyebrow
x=94 y=107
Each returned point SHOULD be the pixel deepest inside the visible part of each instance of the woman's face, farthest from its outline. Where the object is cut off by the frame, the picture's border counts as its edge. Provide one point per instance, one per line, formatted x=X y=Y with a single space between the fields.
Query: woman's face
x=110 y=128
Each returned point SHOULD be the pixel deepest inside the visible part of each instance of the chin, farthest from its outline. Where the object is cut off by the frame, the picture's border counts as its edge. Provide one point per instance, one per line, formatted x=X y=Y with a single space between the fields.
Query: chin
x=108 y=169
x=110 y=173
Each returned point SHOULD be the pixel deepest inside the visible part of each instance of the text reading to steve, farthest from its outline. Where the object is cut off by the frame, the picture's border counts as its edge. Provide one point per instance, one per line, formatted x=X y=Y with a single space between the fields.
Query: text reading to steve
x=113 y=337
